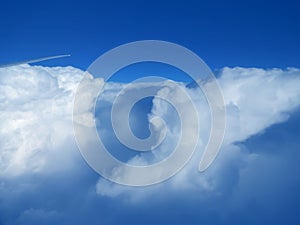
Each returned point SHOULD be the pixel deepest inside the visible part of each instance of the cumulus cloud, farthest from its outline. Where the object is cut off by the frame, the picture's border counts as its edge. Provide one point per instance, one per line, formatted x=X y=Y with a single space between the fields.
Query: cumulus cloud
x=255 y=100
x=37 y=133
x=36 y=117
x=258 y=98
x=37 y=105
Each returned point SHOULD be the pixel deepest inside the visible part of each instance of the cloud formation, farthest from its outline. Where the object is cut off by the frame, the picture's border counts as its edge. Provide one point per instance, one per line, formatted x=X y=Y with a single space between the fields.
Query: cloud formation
x=36 y=117
x=255 y=100
x=37 y=140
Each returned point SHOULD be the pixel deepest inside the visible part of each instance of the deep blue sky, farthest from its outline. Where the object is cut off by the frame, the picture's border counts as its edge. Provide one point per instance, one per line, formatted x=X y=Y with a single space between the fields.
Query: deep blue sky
x=224 y=33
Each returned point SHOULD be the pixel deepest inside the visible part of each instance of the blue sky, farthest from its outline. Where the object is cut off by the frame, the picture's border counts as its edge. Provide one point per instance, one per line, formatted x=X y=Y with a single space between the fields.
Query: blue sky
x=224 y=33
x=254 y=180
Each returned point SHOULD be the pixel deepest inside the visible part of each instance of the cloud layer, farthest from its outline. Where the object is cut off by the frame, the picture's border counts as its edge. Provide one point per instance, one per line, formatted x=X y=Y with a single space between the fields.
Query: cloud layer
x=37 y=141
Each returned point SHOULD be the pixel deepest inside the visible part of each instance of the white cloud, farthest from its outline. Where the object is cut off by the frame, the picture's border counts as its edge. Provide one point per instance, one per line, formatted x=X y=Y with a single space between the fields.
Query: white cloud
x=36 y=112
x=36 y=121
x=258 y=98
x=255 y=100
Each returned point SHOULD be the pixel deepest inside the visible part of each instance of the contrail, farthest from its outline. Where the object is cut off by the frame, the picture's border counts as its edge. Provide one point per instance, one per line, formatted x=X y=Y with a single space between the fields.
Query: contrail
x=34 y=60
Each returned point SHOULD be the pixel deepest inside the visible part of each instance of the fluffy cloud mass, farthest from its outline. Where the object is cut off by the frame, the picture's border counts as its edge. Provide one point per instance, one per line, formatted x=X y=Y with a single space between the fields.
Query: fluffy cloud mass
x=37 y=132
x=36 y=112
x=255 y=100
